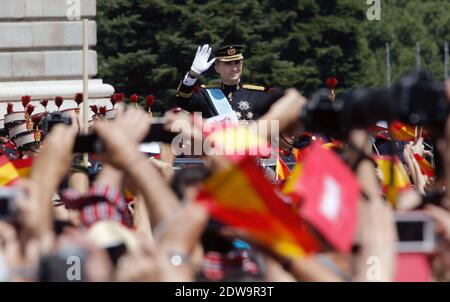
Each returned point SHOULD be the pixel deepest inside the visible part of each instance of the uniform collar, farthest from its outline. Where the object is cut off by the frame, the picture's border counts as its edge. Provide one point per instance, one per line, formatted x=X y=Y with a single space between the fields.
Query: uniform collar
x=227 y=89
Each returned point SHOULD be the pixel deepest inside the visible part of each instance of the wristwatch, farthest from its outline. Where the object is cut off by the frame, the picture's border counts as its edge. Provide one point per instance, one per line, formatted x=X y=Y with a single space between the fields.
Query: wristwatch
x=189 y=79
x=189 y=74
x=178 y=259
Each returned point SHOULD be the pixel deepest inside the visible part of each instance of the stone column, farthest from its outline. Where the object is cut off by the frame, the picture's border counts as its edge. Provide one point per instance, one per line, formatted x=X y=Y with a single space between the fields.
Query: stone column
x=41 y=52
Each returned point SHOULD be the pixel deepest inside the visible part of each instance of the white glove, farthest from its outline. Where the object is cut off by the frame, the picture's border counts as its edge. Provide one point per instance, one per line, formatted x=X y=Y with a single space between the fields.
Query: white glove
x=201 y=63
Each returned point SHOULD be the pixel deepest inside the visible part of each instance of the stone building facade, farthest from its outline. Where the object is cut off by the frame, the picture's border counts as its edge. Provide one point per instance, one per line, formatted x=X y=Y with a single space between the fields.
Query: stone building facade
x=41 y=52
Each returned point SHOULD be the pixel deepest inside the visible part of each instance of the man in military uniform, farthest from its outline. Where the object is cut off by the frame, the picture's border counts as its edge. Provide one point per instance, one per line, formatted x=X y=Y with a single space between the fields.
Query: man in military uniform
x=231 y=97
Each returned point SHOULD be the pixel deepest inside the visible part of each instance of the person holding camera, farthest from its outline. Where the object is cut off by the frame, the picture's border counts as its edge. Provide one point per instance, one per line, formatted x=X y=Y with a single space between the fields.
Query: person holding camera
x=230 y=97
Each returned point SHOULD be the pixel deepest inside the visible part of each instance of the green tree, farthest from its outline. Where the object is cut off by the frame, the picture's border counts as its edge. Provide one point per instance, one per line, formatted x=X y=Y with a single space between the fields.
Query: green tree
x=146 y=46
x=403 y=24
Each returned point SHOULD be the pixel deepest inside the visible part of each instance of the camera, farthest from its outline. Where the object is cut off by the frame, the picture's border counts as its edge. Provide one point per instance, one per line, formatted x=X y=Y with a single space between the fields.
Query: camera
x=415 y=99
x=52 y=119
x=8 y=197
x=416 y=232
x=91 y=143
x=54 y=267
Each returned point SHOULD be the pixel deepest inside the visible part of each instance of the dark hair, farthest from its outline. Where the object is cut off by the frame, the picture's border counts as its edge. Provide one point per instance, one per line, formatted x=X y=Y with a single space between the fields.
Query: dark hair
x=186 y=177
x=384 y=148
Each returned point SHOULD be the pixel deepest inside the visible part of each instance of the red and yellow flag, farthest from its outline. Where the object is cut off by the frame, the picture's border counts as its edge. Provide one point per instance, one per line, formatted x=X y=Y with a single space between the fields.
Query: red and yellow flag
x=282 y=171
x=23 y=166
x=297 y=154
x=327 y=192
x=335 y=144
x=242 y=197
x=401 y=180
x=403 y=132
x=290 y=185
x=425 y=167
x=8 y=173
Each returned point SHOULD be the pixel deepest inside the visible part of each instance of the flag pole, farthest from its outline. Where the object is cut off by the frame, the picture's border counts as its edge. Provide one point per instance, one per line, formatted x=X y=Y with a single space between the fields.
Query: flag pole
x=418 y=55
x=85 y=84
x=388 y=64
x=446 y=60
x=392 y=143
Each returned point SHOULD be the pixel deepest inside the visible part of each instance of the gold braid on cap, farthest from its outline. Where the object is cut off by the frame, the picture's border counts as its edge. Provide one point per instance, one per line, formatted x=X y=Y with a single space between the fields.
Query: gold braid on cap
x=230 y=58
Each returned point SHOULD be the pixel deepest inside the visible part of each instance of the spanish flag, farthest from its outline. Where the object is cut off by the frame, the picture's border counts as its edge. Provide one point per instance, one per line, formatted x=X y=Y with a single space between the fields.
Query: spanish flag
x=281 y=170
x=327 y=193
x=242 y=197
x=401 y=180
x=334 y=145
x=297 y=154
x=8 y=173
x=403 y=132
x=289 y=187
x=425 y=167
x=23 y=166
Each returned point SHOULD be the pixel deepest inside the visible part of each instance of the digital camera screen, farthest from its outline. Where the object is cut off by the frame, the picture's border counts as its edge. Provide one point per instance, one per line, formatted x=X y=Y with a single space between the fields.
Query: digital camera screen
x=4 y=207
x=409 y=231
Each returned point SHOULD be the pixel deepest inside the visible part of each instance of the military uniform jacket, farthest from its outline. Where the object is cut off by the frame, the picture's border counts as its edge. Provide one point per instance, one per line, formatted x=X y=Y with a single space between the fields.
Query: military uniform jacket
x=245 y=100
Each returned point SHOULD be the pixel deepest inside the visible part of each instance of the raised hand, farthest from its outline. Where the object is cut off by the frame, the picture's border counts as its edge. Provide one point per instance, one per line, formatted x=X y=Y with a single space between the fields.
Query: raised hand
x=378 y=239
x=201 y=63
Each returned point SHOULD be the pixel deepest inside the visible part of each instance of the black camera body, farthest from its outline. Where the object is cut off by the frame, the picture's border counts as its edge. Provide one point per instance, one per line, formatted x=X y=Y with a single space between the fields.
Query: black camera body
x=8 y=208
x=52 y=119
x=415 y=99
x=416 y=232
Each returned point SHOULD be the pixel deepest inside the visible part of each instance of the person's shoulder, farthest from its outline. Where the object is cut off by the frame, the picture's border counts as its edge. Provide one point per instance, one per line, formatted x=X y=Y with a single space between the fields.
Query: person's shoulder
x=253 y=87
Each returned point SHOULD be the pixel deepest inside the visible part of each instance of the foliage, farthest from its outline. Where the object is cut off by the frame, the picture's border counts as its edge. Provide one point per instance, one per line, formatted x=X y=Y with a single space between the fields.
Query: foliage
x=146 y=46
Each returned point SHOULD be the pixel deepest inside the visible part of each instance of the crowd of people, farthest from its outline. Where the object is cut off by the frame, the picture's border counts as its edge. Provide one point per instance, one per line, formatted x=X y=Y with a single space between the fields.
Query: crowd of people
x=127 y=215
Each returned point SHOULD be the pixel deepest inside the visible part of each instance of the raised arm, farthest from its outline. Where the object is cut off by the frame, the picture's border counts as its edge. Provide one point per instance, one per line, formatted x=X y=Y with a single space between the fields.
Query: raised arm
x=122 y=153
x=50 y=166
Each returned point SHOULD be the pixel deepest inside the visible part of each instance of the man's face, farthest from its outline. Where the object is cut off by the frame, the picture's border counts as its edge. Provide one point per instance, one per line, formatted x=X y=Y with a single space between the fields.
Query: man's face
x=230 y=72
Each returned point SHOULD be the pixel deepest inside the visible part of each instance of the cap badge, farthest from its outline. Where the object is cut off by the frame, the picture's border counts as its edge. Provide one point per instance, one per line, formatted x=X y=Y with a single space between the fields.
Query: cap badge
x=231 y=51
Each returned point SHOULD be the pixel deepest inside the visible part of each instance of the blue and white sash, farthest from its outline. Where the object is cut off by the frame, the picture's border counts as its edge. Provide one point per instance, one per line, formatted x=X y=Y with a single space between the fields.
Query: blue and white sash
x=221 y=104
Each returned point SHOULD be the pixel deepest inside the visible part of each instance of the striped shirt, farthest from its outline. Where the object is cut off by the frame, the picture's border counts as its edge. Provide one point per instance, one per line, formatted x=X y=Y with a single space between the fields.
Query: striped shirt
x=102 y=202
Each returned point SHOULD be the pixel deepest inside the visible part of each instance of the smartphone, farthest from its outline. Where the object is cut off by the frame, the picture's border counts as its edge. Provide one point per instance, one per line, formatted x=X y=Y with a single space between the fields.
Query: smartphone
x=53 y=119
x=416 y=232
x=158 y=133
x=89 y=143
x=8 y=196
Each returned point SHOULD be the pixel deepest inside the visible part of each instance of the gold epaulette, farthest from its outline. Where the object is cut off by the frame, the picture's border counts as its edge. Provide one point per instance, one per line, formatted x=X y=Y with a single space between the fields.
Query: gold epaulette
x=210 y=86
x=253 y=87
